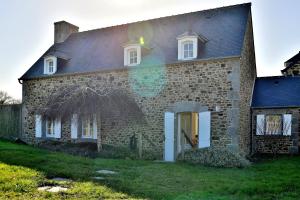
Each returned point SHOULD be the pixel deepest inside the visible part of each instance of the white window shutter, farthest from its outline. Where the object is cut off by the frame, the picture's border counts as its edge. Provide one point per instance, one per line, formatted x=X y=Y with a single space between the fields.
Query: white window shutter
x=38 y=126
x=287 y=124
x=204 y=129
x=74 y=126
x=260 y=124
x=169 y=136
x=94 y=127
x=57 y=128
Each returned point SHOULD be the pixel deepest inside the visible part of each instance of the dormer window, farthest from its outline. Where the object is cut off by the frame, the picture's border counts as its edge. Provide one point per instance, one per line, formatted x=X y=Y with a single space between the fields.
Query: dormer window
x=132 y=55
x=188 y=50
x=188 y=45
x=50 y=65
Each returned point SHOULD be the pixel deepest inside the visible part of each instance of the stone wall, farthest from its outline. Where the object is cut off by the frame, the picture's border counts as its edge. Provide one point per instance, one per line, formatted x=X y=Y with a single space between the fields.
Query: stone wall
x=295 y=70
x=155 y=89
x=247 y=77
x=276 y=143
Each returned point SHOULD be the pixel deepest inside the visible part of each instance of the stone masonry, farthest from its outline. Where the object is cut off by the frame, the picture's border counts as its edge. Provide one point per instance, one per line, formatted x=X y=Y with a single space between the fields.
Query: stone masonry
x=223 y=82
x=206 y=82
x=279 y=143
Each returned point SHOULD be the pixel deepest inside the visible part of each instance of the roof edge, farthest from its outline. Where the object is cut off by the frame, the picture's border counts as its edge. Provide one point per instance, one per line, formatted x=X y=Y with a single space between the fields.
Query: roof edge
x=249 y=4
x=273 y=107
x=126 y=68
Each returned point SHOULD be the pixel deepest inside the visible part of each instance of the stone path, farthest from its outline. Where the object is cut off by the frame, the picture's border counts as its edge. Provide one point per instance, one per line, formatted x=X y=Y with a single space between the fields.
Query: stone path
x=98 y=178
x=104 y=171
x=52 y=189
x=61 y=179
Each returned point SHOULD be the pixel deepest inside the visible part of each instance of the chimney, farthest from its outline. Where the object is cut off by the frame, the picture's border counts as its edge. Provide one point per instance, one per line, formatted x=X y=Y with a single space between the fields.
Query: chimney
x=62 y=30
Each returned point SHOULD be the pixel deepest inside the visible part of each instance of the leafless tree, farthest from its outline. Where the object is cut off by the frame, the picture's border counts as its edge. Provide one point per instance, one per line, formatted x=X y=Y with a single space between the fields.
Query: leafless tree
x=6 y=99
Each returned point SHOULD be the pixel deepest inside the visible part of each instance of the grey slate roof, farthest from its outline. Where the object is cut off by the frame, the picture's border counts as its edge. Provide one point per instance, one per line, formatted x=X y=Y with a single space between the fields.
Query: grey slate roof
x=102 y=49
x=276 y=91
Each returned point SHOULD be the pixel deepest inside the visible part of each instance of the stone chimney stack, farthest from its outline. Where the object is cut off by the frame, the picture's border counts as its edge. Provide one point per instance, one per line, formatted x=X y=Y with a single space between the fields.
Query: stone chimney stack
x=62 y=30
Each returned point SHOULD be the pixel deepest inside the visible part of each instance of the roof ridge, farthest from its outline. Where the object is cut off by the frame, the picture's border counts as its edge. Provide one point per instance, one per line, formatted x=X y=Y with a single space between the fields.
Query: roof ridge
x=181 y=14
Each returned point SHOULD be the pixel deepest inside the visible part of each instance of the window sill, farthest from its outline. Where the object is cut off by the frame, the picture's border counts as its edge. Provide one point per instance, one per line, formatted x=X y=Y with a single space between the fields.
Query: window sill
x=186 y=59
x=49 y=136
x=78 y=140
x=273 y=136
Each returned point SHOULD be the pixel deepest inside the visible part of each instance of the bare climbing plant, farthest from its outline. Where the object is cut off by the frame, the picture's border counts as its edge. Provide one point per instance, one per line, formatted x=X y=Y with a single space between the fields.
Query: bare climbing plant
x=84 y=100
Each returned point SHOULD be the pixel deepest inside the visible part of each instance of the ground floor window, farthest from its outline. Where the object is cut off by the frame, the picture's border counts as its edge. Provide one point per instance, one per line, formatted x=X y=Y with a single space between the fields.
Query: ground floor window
x=87 y=126
x=50 y=127
x=274 y=124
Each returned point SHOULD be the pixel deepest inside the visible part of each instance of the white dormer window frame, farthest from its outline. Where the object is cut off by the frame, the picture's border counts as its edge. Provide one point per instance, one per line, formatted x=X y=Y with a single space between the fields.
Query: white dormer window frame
x=187 y=47
x=132 y=55
x=50 y=65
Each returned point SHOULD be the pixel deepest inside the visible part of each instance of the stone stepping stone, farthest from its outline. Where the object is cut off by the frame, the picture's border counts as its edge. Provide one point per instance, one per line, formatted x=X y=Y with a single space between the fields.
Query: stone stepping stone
x=57 y=189
x=44 y=188
x=98 y=178
x=61 y=179
x=53 y=189
x=104 y=171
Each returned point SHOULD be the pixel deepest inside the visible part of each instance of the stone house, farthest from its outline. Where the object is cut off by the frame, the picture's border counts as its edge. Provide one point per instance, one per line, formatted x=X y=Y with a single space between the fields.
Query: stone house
x=190 y=75
x=292 y=66
x=275 y=111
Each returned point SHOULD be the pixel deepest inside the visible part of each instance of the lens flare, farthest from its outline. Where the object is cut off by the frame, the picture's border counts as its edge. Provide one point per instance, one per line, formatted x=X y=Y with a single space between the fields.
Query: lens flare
x=149 y=78
x=142 y=42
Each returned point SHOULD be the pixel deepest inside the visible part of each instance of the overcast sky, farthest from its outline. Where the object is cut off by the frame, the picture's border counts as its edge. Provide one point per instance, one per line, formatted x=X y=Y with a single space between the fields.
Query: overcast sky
x=27 y=28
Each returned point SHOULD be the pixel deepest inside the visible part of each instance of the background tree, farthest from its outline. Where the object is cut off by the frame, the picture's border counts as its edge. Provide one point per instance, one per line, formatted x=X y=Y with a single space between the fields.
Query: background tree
x=6 y=99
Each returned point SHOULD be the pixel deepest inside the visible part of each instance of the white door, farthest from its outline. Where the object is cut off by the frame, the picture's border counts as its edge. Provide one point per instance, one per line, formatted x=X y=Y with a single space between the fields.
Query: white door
x=169 y=136
x=204 y=129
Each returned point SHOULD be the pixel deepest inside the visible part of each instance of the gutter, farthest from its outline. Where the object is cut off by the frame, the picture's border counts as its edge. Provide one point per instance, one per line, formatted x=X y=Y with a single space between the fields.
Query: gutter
x=126 y=67
x=20 y=81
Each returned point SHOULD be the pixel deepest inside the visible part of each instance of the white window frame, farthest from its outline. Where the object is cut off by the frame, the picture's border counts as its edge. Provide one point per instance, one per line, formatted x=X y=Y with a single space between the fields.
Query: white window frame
x=52 y=125
x=131 y=48
x=91 y=126
x=184 y=40
x=47 y=61
x=285 y=126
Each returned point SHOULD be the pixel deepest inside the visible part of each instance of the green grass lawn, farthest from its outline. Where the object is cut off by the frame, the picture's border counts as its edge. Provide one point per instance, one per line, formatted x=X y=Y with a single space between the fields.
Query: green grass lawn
x=24 y=168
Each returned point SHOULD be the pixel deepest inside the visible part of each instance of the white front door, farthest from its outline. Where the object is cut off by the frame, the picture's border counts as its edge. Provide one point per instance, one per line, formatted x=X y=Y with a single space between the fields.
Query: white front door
x=169 y=136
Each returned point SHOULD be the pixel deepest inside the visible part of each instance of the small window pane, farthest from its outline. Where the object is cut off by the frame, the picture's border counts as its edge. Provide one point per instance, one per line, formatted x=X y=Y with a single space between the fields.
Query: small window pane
x=188 y=50
x=87 y=127
x=133 y=56
x=273 y=124
x=50 y=66
x=50 y=127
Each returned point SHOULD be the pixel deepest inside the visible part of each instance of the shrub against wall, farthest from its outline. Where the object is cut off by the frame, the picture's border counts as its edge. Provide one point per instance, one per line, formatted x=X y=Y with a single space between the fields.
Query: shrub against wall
x=215 y=157
x=10 y=121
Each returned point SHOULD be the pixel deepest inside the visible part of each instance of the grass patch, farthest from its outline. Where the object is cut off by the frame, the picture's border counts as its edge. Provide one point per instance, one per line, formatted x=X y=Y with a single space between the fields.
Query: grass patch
x=24 y=168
